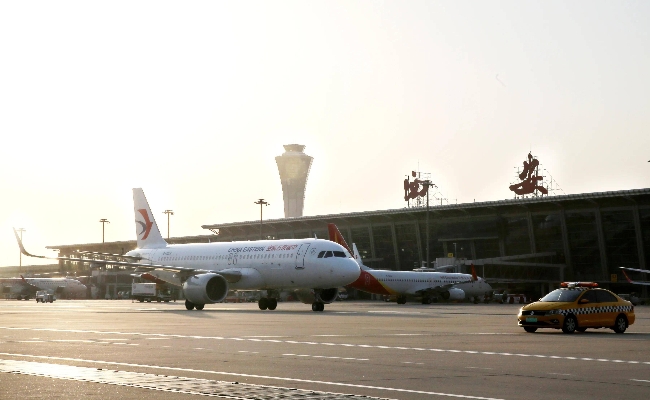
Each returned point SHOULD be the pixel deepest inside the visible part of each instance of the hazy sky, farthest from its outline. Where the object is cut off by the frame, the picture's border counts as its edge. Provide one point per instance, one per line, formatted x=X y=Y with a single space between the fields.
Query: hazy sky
x=193 y=100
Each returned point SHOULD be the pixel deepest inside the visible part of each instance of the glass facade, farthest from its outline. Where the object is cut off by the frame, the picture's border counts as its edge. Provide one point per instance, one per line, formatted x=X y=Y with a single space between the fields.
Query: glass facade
x=585 y=249
x=620 y=240
x=407 y=246
x=515 y=235
x=384 y=249
x=644 y=216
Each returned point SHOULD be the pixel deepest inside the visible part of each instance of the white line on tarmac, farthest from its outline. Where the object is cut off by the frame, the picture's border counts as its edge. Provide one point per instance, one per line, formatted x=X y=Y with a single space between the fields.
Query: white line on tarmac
x=640 y=380
x=333 y=344
x=202 y=371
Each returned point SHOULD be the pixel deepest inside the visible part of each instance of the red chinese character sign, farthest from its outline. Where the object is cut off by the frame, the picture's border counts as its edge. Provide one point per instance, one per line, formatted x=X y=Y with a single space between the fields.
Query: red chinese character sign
x=414 y=189
x=529 y=178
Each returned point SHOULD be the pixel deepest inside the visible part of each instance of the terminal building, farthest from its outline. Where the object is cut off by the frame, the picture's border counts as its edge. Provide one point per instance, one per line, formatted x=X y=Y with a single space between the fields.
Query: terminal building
x=526 y=244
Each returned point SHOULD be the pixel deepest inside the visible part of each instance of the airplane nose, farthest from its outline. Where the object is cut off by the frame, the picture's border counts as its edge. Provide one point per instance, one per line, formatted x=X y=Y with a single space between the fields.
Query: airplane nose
x=352 y=270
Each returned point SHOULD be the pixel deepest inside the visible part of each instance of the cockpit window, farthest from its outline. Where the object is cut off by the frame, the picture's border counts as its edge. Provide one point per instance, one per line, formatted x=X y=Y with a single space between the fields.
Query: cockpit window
x=339 y=254
x=328 y=254
x=321 y=254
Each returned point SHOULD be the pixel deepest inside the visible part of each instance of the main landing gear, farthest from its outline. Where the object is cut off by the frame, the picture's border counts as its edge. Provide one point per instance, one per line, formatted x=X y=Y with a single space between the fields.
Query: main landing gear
x=190 y=306
x=267 y=303
x=317 y=306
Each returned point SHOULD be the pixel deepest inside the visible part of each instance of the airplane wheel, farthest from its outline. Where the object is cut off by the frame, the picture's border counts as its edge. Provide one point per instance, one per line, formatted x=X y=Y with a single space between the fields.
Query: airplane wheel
x=475 y=300
x=199 y=306
x=317 y=306
x=263 y=303
x=189 y=305
x=272 y=304
x=401 y=300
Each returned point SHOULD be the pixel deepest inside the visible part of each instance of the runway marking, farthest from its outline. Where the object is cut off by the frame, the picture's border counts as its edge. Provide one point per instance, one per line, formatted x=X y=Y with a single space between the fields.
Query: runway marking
x=555 y=373
x=394 y=312
x=474 y=352
x=340 y=384
x=478 y=368
x=640 y=380
x=175 y=384
x=328 y=357
x=412 y=362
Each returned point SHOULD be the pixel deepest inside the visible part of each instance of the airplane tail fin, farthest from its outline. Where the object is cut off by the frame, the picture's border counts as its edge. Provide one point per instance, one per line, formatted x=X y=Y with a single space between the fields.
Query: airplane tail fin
x=146 y=229
x=336 y=237
x=474 y=276
x=357 y=257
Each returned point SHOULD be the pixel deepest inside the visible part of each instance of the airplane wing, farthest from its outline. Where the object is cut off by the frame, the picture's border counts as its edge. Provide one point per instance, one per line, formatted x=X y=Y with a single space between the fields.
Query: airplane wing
x=182 y=272
x=644 y=283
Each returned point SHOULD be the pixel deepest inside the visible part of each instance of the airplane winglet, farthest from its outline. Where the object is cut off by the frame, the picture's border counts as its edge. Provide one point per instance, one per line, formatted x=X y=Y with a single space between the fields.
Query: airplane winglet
x=22 y=248
x=474 y=277
x=626 y=277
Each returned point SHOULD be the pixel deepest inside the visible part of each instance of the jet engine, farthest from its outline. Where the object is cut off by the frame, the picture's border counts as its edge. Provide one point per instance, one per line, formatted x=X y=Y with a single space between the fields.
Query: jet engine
x=205 y=288
x=453 y=294
x=310 y=296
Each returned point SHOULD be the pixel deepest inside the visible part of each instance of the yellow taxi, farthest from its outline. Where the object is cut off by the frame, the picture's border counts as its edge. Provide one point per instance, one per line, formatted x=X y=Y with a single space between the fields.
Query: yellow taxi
x=576 y=306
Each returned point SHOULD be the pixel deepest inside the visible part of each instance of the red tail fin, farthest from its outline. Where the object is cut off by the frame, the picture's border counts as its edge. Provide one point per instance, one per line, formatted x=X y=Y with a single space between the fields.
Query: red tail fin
x=336 y=237
x=626 y=277
x=474 y=277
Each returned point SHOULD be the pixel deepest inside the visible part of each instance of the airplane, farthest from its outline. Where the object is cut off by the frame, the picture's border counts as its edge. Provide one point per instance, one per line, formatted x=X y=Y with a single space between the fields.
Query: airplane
x=26 y=288
x=313 y=268
x=644 y=283
x=424 y=285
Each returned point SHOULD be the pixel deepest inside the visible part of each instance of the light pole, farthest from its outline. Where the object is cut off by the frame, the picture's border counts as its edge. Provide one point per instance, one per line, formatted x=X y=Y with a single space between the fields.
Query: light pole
x=168 y=212
x=104 y=221
x=261 y=202
x=20 y=265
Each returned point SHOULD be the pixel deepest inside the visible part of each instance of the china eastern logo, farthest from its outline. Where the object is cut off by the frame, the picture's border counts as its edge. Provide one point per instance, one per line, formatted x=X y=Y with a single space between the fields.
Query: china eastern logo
x=146 y=225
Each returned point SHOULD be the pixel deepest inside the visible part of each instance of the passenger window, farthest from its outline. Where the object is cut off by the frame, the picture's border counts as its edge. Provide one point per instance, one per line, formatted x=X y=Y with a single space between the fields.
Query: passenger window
x=590 y=295
x=605 y=297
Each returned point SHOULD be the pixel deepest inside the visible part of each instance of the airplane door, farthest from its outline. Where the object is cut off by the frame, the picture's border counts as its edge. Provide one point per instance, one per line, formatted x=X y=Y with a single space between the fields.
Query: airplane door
x=300 y=256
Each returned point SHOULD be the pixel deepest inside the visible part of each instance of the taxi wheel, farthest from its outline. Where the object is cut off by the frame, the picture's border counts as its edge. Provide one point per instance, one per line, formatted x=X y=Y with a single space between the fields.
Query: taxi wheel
x=620 y=325
x=530 y=329
x=570 y=324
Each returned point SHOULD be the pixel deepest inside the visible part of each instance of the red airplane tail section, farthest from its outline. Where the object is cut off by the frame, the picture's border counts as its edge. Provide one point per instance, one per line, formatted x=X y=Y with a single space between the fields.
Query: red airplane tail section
x=336 y=237
x=627 y=277
x=474 y=276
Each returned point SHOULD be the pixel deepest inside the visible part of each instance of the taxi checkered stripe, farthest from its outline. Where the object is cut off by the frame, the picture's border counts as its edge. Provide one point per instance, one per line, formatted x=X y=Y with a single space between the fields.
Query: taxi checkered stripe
x=594 y=310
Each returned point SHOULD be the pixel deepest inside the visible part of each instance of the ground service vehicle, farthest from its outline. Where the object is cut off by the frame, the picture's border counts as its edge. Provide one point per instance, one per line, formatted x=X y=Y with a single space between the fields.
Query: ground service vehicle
x=143 y=292
x=42 y=296
x=577 y=306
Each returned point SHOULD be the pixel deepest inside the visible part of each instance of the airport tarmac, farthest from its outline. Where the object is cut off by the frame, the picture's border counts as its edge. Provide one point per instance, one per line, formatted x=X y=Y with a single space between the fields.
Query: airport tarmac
x=80 y=349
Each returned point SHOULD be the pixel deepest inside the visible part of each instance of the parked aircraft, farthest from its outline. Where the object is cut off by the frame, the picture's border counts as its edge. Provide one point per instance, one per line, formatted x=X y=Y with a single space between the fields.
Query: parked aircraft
x=644 y=283
x=26 y=288
x=207 y=271
x=426 y=286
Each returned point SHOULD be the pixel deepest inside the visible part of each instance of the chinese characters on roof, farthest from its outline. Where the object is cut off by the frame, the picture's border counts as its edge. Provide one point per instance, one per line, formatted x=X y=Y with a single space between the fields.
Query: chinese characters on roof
x=415 y=188
x=530 y=180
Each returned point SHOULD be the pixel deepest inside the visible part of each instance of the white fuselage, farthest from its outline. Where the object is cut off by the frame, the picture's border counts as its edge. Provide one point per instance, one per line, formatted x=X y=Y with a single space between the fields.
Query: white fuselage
x=264 y=264
x=414 y=283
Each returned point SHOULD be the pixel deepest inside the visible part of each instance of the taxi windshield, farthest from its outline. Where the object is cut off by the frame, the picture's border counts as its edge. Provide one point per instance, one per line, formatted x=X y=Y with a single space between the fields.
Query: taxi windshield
x=561 y=295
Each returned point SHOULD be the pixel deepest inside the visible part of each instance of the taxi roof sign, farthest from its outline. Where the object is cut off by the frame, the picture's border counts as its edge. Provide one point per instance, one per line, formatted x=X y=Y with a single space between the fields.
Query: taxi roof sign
x=579 y=284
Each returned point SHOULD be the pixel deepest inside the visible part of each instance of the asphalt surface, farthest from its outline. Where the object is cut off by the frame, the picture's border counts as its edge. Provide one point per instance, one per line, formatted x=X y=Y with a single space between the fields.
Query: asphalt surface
x=81 y=349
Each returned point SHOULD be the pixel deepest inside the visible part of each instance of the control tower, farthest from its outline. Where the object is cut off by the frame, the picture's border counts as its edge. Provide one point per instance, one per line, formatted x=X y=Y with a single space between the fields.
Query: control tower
x=293 y=166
